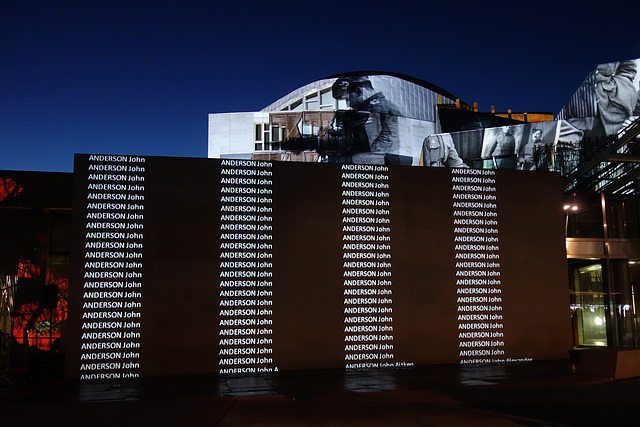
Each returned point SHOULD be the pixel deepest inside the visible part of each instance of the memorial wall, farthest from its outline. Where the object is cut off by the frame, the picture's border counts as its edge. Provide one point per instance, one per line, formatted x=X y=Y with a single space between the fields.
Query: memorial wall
x=186 y=266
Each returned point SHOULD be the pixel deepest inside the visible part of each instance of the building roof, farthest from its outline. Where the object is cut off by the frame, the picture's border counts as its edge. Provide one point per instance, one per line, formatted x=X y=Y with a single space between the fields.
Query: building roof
x=406 y=77
x=413 y=97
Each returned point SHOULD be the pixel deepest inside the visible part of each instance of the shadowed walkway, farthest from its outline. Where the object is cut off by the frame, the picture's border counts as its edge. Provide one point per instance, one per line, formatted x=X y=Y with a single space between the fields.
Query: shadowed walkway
x=539 y=394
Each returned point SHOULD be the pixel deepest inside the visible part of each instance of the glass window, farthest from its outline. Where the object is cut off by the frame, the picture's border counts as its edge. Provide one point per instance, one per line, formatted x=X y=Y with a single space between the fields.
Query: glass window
x=631 y=218
x=258 y=146
x=622 y=217
x=588 y=303
x=626 y=278
x=297 y=105
x=326 y=99
x=583 y=216
x=312 y=102
x=258 y=132
x=267 y=136
x=275 y=133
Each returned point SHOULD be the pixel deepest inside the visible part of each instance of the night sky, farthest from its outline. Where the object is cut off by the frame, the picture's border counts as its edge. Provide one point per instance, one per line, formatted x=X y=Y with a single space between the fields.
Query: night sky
x=140 y=77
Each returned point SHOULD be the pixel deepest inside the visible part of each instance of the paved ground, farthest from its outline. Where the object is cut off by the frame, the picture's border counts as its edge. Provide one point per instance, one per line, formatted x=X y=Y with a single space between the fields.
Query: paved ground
x=539 y=394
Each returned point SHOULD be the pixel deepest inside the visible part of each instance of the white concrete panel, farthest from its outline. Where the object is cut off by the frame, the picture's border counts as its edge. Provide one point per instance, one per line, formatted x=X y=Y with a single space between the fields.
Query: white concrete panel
x=231 y=133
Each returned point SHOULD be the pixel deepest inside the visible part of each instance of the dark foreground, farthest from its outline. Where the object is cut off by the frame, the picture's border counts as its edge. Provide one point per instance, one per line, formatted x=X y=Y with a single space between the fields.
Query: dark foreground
x=539 y=394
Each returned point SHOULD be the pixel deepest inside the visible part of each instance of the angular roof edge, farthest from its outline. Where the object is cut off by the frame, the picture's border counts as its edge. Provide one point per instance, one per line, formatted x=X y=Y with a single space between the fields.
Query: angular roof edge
x=406 y=77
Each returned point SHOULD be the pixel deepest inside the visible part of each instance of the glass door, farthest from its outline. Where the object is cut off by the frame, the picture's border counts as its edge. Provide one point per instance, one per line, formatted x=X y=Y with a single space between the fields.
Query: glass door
x=588 y=303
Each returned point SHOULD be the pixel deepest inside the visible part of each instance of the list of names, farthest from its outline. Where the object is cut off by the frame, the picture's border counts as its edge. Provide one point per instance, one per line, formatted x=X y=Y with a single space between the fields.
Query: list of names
x=366 y=237
x=113 y=260
x=477 y=266
x=348 y=266
x=246 y=268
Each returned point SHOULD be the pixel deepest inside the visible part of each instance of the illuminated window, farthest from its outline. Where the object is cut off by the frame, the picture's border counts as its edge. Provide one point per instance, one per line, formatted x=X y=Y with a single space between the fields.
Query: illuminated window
x=588 y=303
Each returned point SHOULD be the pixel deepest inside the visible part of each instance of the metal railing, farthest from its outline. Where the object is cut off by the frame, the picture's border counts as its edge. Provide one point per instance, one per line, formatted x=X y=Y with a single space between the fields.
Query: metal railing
x=607 y=164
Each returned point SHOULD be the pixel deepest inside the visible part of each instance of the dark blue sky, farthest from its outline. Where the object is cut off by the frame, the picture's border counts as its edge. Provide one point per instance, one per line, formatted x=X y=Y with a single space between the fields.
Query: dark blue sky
x=140 y=77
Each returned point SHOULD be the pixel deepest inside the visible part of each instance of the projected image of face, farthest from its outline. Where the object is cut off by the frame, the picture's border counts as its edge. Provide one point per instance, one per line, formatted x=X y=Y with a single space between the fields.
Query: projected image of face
x=536 y=136
x=360 y=90
x=526 y=157
x=382 y=125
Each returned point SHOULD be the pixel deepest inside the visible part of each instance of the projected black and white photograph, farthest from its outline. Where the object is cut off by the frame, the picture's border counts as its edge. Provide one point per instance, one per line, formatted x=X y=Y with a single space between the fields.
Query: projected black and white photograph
x=605 y=103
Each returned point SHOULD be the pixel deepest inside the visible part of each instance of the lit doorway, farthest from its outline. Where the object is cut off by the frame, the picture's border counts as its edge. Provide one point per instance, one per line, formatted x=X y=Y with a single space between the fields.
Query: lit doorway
x=588 y=302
